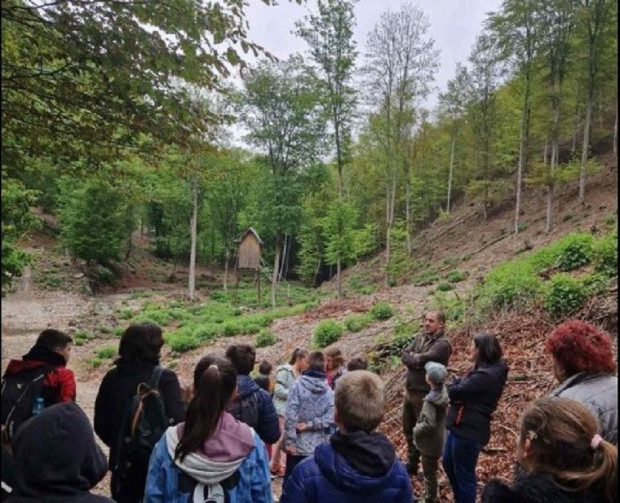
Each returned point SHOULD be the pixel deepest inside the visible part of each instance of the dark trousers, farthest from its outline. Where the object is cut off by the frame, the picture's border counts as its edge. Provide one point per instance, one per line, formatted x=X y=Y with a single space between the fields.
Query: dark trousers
x=430 y=465
x=291 y=462
x=460 y=456
x=412 y=406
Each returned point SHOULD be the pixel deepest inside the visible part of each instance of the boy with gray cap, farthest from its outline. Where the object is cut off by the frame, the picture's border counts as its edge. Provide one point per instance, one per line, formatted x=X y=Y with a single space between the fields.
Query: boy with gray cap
x=429 y=431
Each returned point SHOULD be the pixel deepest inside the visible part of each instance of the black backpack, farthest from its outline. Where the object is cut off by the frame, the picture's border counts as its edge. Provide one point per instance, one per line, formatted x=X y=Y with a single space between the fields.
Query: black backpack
x=245 y=409
x=143 y=425
x=216 y=493
x=19 y=392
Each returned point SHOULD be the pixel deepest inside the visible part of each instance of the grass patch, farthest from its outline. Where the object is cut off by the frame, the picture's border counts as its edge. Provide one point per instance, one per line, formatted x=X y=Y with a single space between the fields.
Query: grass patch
x=106 y=352
x=357 y=322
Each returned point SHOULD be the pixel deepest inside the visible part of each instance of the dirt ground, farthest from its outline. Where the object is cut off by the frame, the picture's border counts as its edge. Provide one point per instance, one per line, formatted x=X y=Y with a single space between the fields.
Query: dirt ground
x=29 y=309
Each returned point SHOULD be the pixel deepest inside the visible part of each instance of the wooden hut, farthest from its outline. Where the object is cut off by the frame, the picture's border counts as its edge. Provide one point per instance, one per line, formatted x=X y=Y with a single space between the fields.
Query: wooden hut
x=249 y=251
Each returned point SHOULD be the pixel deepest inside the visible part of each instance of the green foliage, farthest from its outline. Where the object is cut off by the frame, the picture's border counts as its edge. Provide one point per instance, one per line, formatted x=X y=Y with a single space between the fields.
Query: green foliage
x=382 y=310
x=106 y=352
x=444 y=287
x=456 y=276
x=605 y=255
x=510 y=285
x=265 y=338
x=564 y=295
x=126 y=314
x=181 y=342
x=93 y=235
x=399 y=258
x=577 y=252
x=357 y=322
x=425 y=278
x=327 y=332
x=81 y=336
x=94 y=362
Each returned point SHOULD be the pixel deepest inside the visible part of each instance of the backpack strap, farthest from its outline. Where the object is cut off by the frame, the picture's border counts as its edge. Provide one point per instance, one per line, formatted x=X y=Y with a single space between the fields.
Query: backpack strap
x=155 y=376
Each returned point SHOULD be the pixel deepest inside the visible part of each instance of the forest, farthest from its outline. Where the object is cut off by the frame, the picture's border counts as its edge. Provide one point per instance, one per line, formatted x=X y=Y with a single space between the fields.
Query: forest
x=118 y=117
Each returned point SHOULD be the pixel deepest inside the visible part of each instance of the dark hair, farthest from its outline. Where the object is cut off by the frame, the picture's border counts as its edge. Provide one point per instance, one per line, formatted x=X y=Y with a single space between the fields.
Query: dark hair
x=265 y=368
x=52 y=339
x=316 y=361
x=489 y=350
x=142 y=342
x=297 y=354
x=215 y=379
x=561 y=431
x=357 y=363
x=242 y=357
x=579 y=346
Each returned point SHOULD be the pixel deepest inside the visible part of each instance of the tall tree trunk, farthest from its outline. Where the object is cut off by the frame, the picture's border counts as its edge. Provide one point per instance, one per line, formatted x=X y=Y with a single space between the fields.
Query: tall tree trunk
x=387 y=233
x=226 y=259
x=585 y=147
x=339 y=276
x=451 y=172
x=573 y=147
x=283 y=258
x=390 y=223
x=408 y=216
x=276 y=266
x=616 y=135
x=523 y=141
x=193 y=230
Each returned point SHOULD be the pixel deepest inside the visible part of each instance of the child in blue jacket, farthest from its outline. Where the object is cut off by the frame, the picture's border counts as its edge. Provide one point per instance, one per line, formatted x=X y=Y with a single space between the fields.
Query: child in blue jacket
x=358 y=464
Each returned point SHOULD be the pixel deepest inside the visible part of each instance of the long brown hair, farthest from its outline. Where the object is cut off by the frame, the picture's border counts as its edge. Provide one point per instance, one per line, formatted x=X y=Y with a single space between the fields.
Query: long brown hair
x=215 y=379
x=561 y=432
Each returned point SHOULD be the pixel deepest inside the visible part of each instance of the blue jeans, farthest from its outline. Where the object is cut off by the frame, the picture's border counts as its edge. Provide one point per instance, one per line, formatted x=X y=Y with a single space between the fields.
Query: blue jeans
x=460 y=456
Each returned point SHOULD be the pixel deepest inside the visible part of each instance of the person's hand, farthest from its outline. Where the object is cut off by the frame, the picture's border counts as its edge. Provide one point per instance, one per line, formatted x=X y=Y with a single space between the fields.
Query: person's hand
x=301 y=426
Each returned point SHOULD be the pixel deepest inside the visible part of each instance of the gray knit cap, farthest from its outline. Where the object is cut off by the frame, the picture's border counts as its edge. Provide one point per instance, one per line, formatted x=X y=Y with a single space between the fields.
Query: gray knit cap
x=436 y=372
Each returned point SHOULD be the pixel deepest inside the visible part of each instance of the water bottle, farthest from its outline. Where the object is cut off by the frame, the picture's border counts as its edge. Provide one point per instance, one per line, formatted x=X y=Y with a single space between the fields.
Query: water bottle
x=38 y=406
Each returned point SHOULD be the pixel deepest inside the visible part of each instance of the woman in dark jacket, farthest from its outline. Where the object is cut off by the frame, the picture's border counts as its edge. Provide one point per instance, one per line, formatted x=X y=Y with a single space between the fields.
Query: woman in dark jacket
x=57 y=459
x=139 y=353
x=473 y=399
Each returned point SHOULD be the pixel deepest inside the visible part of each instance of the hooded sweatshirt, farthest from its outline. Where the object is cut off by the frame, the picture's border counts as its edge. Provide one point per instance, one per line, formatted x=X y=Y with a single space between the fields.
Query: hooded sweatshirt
x=285 y=377
x=232 y=448
x=357 y=467
x=57 y=458
x=58 y=385
x=310 y=401
x=429 y=432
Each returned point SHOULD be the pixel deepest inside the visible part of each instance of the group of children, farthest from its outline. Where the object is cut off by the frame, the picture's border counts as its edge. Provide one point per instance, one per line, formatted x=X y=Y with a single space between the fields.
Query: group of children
x=315 y=423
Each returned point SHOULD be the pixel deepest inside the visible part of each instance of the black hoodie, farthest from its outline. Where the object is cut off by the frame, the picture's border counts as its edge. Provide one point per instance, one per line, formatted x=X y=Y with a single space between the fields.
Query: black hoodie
x=57 y=458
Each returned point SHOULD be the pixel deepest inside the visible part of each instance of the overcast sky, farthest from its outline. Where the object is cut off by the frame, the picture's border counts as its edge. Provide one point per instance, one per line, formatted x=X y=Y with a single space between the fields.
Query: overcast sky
x=454 y=25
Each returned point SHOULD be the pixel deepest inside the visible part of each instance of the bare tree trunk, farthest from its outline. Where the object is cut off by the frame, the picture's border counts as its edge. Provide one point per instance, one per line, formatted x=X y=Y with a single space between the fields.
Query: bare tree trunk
x=450 y=173
x=193 y=228
x=585 y=150
x=276 y=266
x=388 y=227
x=283 y=259
x=226 y=259
x=523 y=135
x=616 y=135
x=573 y=147
x=390 y=222
x=339 y=276
x=408 y=217
x=551 y=185
x=318 y=268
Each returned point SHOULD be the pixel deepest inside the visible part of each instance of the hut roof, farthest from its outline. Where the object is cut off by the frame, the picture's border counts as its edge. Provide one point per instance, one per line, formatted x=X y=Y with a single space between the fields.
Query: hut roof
x=250 y=231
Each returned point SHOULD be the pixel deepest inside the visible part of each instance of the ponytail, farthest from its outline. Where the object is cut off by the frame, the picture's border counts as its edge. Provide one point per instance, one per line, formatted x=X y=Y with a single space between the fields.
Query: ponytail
x=214 y=382
x=297 y=354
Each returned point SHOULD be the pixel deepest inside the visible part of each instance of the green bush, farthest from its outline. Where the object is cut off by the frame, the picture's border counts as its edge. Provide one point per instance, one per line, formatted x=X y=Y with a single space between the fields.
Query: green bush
x=126 y=314
x=564 y=295
x=382 y=310
x=94 y=362
x=327 y=332
x=357 y=322
x=511 y=285
x=444 y=287
x=182 y=341
x=424 y=279
x=265 y=338
x=456 y=276
x=207 y=332
x=605 y=255
x=106 y=352
x=159 y=316
x=577 y=252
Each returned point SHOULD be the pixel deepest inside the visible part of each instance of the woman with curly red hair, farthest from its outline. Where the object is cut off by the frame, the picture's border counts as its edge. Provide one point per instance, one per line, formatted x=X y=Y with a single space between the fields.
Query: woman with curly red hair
x=583 y=363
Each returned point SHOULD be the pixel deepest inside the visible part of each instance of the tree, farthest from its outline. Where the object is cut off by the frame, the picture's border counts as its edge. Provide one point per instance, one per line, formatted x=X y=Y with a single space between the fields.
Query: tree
x=518 y=29
x=400 y=62
x=596 y=19
x=332 y=48
x=453 y=102
x=281 y=110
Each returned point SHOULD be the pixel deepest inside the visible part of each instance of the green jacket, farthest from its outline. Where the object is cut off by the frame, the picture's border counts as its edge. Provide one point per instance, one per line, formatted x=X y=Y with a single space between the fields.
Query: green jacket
x=429 y=432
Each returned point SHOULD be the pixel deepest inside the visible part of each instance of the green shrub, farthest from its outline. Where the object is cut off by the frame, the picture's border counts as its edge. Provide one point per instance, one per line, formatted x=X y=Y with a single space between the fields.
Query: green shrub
x=265 y=338
x=327 y=332
x=106 y=352
x=94 y=362
x=160 y=317
x=118 y=331
x=444 y=287
x=605 y=255
x=126 y=314
x=382 y=310
x=424 y=279
x=577 y=252
x=182 y=341
x=511 y=285
x=206 y=332
x=456 y=276
x=357 y=322
x=81 y=336
x=564 y=295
